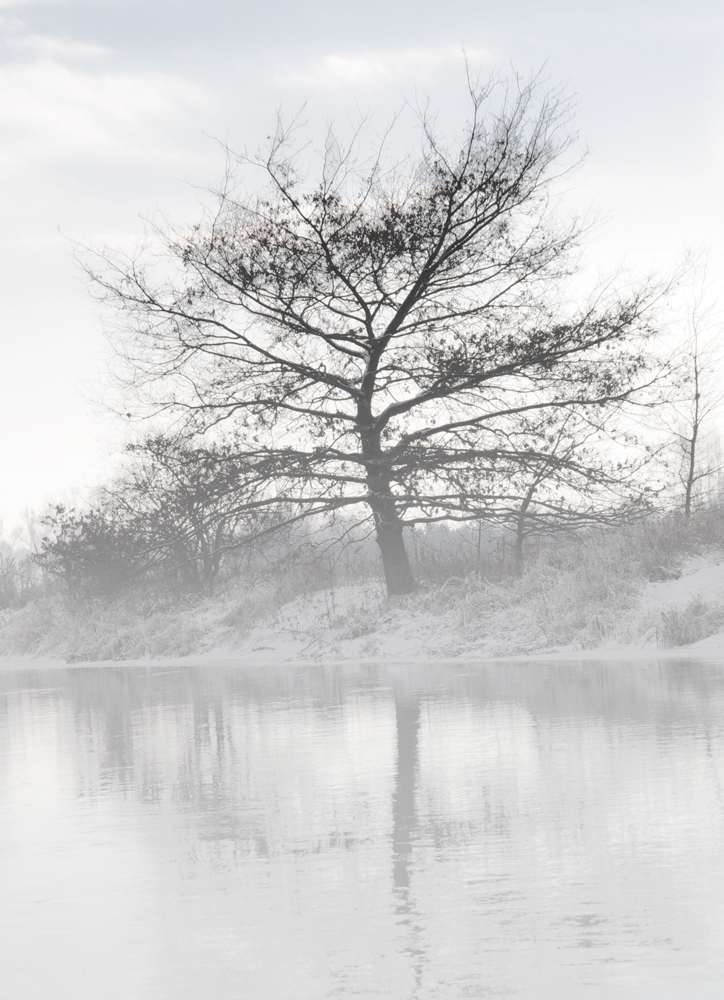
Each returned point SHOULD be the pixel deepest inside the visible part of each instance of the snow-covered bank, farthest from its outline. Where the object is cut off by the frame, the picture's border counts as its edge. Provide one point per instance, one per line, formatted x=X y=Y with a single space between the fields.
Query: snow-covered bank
x=548 y=613
x=356 y=623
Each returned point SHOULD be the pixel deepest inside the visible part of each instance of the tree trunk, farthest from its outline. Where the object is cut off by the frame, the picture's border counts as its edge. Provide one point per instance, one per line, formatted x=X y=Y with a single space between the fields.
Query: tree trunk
x=519 y=536
x=690 y=472
x=520 y=530
x=695 y=422
x=395 y=562
x=388 y=527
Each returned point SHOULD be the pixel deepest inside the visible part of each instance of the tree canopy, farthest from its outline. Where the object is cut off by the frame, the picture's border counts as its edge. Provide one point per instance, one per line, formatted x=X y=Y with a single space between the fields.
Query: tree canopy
x=400 y=339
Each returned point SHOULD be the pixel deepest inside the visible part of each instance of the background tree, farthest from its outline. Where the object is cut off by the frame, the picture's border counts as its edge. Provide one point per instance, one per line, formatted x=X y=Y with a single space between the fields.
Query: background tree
x=569 y=471
x=588 y=478
x=89 y=550
x=18 y=573
x=371 y=332
x=172 y=514
x=187 y=504
x=695 y=401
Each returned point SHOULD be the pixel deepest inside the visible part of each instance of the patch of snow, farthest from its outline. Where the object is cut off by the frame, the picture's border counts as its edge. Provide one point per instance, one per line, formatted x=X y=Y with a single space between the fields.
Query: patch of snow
x=699 y=580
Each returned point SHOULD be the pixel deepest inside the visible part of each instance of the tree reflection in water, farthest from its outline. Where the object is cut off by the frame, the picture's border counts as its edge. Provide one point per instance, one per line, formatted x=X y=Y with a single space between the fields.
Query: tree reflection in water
x=407 y=714
x=404 y=820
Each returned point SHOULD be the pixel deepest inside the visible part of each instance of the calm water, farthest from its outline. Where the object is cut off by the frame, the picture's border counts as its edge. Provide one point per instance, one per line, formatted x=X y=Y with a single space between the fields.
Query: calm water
x=542 y=831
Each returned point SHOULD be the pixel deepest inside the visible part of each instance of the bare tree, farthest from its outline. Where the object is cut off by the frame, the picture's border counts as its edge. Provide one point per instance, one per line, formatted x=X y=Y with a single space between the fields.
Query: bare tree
x=593 y=476
x=696 y=399
x=186 y=503
x=171 y=513
x=375 y=331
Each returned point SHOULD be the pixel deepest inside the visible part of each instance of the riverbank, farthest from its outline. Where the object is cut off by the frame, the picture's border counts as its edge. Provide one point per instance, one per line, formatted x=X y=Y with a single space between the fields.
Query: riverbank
x=550 y=612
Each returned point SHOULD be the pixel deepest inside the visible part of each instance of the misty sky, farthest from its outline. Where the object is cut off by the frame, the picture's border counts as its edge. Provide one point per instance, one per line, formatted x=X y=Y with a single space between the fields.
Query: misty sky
x=109 y=111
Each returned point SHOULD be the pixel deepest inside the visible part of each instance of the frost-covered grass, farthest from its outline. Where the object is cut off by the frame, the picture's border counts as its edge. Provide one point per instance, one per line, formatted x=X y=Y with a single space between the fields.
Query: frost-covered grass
x=654 y=584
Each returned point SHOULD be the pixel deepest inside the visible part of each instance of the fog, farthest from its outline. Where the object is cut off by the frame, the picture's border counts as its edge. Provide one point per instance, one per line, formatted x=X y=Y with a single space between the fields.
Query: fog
x=362 y=500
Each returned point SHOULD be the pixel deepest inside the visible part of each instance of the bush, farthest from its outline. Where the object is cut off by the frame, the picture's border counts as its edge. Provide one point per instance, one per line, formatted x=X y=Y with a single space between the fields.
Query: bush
x=682 y=626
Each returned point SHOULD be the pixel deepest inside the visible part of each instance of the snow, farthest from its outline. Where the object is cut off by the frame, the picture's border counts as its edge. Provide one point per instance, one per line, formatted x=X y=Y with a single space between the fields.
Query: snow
x=550 y=614
x=310 y=629
x=358 y=623
x=699 y=579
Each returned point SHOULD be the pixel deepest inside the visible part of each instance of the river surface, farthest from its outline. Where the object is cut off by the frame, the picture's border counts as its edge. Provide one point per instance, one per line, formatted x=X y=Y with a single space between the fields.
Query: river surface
x=422 y=832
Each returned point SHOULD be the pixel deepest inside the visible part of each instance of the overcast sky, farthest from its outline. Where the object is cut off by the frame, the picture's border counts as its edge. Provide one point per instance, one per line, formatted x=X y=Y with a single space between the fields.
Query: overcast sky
x=109 y=109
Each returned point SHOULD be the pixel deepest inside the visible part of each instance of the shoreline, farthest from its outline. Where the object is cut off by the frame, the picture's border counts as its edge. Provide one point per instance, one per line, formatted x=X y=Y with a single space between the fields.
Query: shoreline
x=704 y=650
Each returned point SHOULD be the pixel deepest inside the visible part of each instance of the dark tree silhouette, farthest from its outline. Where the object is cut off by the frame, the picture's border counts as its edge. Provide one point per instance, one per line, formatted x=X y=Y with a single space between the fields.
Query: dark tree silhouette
x=375 y=331
x=88 y=550
x=172 y=513
x=187 y=504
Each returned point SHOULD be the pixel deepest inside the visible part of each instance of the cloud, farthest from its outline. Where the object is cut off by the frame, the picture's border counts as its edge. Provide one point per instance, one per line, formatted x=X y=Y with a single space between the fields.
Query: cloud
x=46 y=46
x=63 y=100
x=54 y=112
x=4 y=4
x=375 y=69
